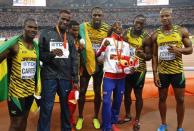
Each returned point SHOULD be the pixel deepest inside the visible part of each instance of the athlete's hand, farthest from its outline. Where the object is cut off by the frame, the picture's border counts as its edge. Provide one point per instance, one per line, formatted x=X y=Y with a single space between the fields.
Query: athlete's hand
x=82 y=44
x=174 y=49
x=157 y=81
x=141 y=54
x=57 y=52
x=106 y=43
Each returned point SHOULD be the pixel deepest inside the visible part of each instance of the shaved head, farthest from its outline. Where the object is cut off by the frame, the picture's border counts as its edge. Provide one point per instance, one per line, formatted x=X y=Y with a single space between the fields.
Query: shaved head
x=166 y=10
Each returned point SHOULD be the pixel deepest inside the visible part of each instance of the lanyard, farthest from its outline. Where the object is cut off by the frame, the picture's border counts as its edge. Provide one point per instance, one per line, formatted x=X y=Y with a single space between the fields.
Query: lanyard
x=117 y=49
x=65 y=38
x=76 y=42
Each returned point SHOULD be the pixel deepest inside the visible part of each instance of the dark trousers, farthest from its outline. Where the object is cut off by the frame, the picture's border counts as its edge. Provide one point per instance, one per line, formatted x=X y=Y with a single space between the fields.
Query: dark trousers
x=50 y=88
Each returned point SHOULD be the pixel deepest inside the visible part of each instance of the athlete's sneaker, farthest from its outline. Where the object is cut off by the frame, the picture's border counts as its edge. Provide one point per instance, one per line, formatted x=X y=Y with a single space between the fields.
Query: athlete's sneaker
x=115 y=128
x=180 y=129
x=96 y=123
x=136 y=125
x=79 y=123
x=162 y=127
x=124 y=120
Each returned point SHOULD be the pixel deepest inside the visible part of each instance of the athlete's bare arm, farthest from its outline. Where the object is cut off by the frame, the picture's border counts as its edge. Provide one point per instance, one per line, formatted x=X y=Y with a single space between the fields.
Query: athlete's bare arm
x=147 y=47
x=10 y=52
x=188 y=49
x=187 y=42
x=155 y=60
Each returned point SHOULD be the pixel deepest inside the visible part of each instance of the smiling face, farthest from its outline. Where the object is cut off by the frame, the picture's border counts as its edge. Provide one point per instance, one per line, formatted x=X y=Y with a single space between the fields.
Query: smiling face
x=117 y=28
x=30 y=29
x=97 y=15
x=75 y=30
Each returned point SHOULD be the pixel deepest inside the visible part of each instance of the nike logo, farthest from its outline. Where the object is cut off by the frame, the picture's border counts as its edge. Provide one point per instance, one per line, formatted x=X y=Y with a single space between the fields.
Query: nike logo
x=13 y=112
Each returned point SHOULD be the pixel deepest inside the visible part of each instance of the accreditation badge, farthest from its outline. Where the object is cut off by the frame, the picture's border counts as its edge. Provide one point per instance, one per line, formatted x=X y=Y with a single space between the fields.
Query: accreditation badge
x=59 y=45
x=164 y=54
x=28 y=69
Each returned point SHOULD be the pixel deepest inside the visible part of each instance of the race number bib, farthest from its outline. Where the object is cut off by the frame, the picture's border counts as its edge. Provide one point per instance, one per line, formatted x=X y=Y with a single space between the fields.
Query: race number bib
x=28 y=69
x=59 y=45
x=132 y=52
x=95 y=46
x=164 y=54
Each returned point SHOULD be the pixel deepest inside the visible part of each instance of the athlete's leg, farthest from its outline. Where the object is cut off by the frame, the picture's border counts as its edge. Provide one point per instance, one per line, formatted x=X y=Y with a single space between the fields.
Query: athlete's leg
x=178 y=83
x=180 y=106
x=97 y=81
x=16 y=123
x=84 y=80
x=18 y=118
x=138 y=102
x=127 y=95
x=163 y=93
x=139 y=83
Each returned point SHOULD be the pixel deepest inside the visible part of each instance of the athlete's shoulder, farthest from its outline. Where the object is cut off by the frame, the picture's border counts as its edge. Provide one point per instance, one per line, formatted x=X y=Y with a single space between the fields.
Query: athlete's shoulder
x=127 y=31
x=126 y=44
x=86 y=24
x=105 y=26
x=154 y=34
x=47 y=29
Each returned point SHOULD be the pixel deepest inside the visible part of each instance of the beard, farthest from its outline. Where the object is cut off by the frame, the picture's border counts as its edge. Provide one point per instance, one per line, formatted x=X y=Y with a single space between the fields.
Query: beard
x=96 y=25
x=63 y=27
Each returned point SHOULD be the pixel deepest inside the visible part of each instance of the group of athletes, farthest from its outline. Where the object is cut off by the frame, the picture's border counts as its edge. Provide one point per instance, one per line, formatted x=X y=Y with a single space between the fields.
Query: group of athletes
x=72 y=53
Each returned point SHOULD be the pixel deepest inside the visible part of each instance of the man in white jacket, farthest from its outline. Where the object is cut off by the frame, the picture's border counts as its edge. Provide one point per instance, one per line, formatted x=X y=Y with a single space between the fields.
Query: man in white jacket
x=116 y=56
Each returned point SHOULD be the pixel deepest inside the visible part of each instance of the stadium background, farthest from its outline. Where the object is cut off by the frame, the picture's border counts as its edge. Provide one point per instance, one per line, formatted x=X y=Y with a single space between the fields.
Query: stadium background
x=11 y=19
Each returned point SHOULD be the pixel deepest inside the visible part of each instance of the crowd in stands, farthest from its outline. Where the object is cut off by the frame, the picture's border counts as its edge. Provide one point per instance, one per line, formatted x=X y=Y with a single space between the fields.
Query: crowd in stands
x=11 y=18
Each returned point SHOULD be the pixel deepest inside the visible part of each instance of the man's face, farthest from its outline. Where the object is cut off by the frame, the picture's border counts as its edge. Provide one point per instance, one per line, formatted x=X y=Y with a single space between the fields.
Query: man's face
x=97 y=15
x=75 y=30
x=63 y=22
x=117 y=28
x=138 y=24
x=31 y=29
x=165 y=18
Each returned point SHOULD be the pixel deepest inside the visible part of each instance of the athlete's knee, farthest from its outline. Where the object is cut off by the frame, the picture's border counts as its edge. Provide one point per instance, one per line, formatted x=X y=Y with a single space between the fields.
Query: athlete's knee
x=127 y=93
x=82 y=91
x=97 y=93
x=18 y=124
x=97 y=98
x=127 y=97
x=106 y=98
x=162 y=98
x=180 y=99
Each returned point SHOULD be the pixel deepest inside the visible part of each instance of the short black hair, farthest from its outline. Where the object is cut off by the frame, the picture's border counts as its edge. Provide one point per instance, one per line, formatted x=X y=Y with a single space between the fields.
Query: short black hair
x=139 y=16
x=73 y=23
x=96 y=8
x=64 y=11
x=111 y=30
x=29 y=19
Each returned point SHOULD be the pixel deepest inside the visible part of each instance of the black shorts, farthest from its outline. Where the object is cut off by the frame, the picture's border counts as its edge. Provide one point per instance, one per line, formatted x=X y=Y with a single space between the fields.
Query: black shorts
x=135 y=80
x=176 y=80
x=19 y=106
